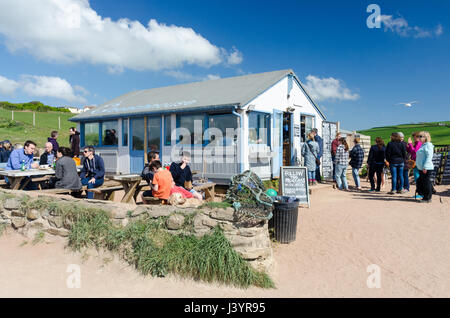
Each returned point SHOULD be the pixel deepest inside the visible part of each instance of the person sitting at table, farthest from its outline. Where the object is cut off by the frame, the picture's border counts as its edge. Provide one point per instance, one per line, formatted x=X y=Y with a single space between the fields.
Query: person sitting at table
x=66 y=174
x=182 y=175
x=163 y=185
x=147 y=174
x=93 y=172
x=23 y=157
x=48 y=155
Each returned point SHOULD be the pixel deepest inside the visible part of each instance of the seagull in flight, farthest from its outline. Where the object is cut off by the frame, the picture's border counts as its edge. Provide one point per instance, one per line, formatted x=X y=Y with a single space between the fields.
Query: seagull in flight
x=408 y=104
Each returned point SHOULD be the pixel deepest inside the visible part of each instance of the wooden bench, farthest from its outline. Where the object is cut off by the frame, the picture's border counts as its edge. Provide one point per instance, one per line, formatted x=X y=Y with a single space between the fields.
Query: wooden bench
x=209 y=188
x=105 y=192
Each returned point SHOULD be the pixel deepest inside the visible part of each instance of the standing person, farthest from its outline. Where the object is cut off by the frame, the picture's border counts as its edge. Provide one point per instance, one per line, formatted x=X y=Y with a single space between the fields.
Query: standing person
x=310 y=150
x=52 y=139
x=405 y=165
x=356 y=161
x=93 y=172
x=341 y=161
x=424 y=163
x=182 y=175
x=48 y=156
x=396 y=156
x=74 y=140
x=6 y=152
x=23 y=157
x=375 y=163
x=412 y=149
x=334 y=145
x=147 y=174
x=319 y=141
x=66 y=174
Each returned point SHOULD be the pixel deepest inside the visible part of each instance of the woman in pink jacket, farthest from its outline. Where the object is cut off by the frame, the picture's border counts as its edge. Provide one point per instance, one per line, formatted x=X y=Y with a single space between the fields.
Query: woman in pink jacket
x=412 y=149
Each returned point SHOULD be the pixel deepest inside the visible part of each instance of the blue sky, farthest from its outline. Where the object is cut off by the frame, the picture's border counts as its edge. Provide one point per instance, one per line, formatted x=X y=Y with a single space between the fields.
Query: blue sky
x=356 y=74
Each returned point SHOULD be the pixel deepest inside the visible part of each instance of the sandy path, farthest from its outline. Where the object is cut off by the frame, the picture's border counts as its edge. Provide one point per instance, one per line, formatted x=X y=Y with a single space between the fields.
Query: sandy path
x=338 y=237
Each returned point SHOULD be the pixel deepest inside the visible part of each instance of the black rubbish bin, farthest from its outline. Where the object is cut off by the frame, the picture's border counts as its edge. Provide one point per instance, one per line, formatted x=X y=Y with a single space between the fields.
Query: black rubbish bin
x=284 y=220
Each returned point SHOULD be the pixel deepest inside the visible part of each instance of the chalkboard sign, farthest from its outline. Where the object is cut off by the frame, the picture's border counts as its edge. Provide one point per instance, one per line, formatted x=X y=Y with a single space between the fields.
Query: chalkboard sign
x=294 y=183
x=437 y=162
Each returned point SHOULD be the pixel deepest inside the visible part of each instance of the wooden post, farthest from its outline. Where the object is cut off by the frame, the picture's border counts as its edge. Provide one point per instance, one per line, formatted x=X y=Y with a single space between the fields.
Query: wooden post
x=59 y=122
x=34 y=119
x=12 y=115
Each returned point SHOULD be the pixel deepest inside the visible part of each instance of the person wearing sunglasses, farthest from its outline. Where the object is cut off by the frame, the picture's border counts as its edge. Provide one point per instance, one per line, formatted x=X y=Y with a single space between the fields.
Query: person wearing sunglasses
x=424 y=163
x=93 y=172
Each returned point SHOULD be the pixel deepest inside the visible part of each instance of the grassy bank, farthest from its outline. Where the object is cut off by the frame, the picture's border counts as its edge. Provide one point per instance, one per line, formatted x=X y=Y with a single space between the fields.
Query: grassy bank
x=440 y=135
x=21 y=129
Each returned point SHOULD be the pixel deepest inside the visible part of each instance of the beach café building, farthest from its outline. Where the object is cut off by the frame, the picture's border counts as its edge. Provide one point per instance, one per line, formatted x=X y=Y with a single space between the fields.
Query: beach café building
x=271 y=114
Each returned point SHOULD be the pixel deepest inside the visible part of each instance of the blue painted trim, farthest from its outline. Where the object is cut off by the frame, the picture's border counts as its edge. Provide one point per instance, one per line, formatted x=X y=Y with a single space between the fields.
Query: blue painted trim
x=123 y=132
x=291 y=137
x=203 y=109
x=169 y=117
x=82 y=135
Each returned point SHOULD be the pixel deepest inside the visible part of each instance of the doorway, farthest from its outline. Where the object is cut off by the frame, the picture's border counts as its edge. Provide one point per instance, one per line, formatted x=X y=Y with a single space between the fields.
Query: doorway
x=287 y=135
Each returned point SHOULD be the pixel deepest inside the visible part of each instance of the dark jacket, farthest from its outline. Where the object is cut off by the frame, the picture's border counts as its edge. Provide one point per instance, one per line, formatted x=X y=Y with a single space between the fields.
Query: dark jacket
x=319 y=141
x=376 y=155
x=4 y=155
x=395 y=152
x=180 y=175
x=74 y=141
x=66 y=174
x=147 y=175
x=356 y=157
x=43 y=160
x=93 y=168
x=54 y=143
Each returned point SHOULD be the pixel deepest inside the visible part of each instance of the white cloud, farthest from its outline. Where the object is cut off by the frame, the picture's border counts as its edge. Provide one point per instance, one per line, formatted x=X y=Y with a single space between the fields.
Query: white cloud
x=328 y=88
x=7 y=86
x=235 y=57
x=211 y=77
x=401 y=27
x=68 y=31
x=183 y=76
x=46 y=86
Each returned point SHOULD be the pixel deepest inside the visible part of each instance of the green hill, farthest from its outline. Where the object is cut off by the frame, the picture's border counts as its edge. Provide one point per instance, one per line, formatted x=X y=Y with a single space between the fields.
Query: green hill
x=440 y=132
x=21 y=129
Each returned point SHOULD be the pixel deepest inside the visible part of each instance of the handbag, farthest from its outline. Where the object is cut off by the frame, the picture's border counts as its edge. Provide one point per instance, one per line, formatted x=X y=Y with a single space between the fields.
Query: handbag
x=317 y=159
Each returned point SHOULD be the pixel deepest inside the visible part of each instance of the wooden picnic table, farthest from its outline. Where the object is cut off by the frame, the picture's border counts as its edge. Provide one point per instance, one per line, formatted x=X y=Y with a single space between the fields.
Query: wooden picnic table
x=131 y=184
x=16 y=176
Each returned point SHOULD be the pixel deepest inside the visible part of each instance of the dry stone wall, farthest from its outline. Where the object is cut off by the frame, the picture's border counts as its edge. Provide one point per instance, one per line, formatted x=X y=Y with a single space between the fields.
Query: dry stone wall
x=251 y=241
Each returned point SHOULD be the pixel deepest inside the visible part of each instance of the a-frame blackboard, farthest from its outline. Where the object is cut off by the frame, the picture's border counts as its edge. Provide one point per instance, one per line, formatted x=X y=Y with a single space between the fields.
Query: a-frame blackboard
x=294 y=183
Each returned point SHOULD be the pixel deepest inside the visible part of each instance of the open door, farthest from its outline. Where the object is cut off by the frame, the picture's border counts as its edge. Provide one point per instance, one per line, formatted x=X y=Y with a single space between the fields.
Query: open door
x=287 y=139
x=277 y=146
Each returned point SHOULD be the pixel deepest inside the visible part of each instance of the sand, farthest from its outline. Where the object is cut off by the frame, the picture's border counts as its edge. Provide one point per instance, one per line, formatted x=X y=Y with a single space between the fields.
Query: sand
x=337 y=239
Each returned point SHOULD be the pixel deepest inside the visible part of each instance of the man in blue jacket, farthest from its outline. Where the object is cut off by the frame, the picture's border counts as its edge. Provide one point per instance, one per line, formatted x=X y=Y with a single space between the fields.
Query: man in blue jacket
x=319 y=140
x=93 y=172
x=23 y=156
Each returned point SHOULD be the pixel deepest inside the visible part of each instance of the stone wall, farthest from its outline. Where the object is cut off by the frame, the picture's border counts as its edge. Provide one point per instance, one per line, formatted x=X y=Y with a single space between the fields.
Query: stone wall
x=251 y=241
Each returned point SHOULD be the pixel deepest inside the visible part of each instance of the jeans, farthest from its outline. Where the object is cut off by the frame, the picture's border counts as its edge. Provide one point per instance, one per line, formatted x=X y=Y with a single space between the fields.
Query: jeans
x=405 y=179
x=416 y=174
x=98 y=182
x=355 y=172
x=378 y=169
x=311 y=175
x=318 y=177
x=341 y=179
x=397 y=172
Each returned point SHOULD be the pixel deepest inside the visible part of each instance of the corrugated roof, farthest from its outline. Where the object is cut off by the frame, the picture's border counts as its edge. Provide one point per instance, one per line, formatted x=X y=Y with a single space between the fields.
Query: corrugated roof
x=233 y=91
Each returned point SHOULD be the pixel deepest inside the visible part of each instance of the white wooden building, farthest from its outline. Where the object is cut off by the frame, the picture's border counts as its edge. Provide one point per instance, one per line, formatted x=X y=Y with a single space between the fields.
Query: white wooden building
x=272 y=113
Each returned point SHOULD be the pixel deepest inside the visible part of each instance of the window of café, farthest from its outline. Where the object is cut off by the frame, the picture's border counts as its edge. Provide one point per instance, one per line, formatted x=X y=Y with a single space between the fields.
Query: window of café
x=259 y=128
x=91 y=134
x=109 y=133
x=153 y=133
x=306 y=124
x=222 y=123
x=189 y=122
